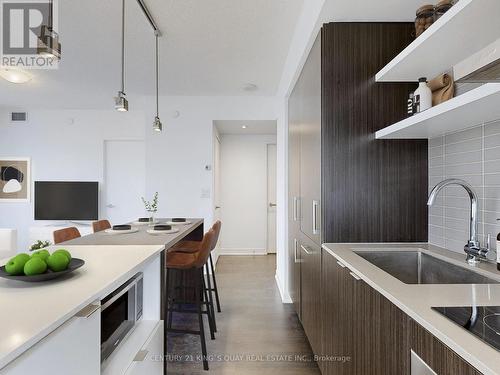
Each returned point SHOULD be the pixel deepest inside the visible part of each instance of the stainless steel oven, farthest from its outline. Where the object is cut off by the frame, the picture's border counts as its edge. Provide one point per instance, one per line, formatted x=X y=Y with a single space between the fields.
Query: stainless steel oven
x=120 y=311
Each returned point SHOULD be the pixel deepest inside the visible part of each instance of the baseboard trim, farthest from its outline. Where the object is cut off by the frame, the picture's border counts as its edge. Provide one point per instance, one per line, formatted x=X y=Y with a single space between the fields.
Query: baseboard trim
x=241 y=252
x=285 y=297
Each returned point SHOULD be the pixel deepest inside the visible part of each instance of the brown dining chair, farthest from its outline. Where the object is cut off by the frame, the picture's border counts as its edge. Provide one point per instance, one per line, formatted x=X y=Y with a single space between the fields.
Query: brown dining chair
x=100 y=225
x=66 y=234
x=193 y=263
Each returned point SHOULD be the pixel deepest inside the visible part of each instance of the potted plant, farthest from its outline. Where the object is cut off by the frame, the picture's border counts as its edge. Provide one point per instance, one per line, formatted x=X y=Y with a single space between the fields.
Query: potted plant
x=151 y=207
x=38 y=245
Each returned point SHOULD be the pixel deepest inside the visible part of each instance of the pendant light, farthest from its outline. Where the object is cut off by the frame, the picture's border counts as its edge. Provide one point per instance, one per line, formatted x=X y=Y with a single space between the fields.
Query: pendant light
x=121 y=102
x=48 y=42
x=157 y=125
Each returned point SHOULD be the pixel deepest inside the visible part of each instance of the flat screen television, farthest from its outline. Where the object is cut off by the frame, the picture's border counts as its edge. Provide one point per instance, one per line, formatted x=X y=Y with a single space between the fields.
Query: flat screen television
x=66 y=200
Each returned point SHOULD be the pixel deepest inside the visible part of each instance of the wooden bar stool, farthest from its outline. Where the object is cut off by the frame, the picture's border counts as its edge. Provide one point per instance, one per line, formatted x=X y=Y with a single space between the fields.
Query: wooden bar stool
x=193 y=246
x=66 y=234
x=184 y=265
x=99 y=226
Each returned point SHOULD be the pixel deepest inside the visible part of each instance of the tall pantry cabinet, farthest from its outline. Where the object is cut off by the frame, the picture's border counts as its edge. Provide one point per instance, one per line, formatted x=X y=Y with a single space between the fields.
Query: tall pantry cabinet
x=344 y=185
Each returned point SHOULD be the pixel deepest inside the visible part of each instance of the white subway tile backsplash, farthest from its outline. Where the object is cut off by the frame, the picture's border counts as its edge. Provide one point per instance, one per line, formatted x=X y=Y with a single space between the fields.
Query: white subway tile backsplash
x=465 y=146
x=492 y=192
x=436 y=162
x=436 y=231
x=474 y=156
x=463 y=169
x=439 y=141
x=464 y=135
x=492 y=179
x=492 y=166
x=492 y=153
x=436 y=151
x=436 y=171
x=436 y=220
x=438 y=241
x=457 y=213
x=491 y=205
x=474 y=180
x=492 y=141
x=491 y=128
x=465 y=157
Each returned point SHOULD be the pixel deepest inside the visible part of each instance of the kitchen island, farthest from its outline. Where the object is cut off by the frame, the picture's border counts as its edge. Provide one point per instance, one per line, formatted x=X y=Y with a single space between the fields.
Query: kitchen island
x=53 y=327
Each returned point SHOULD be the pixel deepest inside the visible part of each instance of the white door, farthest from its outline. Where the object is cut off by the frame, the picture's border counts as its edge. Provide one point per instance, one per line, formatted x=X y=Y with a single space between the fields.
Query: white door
x=124 y=180
x=271 y=198
x=217 y=204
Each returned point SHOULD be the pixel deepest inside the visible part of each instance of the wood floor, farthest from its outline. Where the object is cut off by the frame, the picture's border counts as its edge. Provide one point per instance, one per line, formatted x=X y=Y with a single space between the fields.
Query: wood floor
x=257 y=334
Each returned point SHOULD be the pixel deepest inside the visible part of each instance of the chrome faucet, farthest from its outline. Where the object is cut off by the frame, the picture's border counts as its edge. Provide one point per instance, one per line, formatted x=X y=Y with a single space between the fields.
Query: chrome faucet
x=473 y=248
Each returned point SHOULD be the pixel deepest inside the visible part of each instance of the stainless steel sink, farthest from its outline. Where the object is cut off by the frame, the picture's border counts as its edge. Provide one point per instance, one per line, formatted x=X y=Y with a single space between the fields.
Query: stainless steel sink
x=416 y=267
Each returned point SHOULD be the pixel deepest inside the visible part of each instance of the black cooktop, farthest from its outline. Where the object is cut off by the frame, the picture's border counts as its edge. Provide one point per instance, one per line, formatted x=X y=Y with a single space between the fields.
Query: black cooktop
x=481 y=321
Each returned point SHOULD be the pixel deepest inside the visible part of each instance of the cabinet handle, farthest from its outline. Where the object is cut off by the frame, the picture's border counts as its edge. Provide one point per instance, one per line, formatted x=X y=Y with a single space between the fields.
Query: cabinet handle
x=87 y=311
x=295 y=208
x=315 y=205
x=355 y=276
x=306 y=251
x=340 y=264
x=295 y=248
x=140 y=356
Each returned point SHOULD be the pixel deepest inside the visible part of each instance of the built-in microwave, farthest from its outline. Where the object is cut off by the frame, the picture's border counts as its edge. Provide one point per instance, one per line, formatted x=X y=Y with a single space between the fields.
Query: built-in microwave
x=120 y=311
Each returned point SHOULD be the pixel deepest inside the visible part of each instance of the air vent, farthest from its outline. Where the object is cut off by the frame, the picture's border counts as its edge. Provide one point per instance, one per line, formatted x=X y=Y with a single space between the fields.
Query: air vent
x=18 y=117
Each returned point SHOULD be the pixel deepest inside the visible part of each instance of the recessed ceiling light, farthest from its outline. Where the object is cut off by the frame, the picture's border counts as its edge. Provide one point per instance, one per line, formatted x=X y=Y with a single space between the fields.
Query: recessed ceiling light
x=15 y=75
x=244 y=127
x=250 y=87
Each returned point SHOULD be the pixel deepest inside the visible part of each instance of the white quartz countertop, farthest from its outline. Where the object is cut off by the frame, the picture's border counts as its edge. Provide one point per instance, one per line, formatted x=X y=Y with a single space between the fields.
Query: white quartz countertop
x=417 y=300
x=30 y=311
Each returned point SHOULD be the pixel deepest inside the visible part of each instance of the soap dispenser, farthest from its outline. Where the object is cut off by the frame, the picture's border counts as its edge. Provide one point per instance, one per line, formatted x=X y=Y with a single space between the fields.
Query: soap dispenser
x=423 y=95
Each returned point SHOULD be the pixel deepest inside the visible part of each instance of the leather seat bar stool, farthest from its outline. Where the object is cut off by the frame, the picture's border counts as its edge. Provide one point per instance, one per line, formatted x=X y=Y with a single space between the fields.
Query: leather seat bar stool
x=192 y=246
x=99 y=226
x=66 y=234
x=180 y=266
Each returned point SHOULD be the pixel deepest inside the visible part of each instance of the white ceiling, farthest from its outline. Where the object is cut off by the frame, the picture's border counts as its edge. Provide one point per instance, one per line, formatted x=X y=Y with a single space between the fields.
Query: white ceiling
x=209 y=47
x=252 y=127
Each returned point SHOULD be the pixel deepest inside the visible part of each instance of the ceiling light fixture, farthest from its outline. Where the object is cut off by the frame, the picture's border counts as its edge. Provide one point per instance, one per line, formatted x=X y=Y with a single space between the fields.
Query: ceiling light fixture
x=48 y=41
x=121 y=102
x=15 y=75
x=244 y=127
x=157 y=125
x=250 y=87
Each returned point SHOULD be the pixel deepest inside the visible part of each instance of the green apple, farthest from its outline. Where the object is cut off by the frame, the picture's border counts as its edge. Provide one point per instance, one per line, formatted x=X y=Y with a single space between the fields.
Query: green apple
x=44 y=254
x=15 y=266
x=63 y=251
x=35 y=266
x=58 y=262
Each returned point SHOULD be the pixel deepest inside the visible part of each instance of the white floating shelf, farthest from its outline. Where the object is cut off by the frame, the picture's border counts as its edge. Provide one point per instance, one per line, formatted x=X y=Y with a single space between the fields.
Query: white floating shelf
x=475 y=107
x=468 y=27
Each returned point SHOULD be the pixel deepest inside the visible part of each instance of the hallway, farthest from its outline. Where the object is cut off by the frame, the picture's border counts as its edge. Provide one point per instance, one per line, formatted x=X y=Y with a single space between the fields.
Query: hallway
x=257 y=334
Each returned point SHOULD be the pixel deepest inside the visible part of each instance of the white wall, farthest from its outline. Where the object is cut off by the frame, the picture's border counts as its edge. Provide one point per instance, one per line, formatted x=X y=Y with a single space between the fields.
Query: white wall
x=176 y=158
x=62 y=145
x=244 y=193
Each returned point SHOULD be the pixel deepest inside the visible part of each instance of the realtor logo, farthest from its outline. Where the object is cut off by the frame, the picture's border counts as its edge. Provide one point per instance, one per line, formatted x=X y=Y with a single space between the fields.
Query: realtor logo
x=29 y=39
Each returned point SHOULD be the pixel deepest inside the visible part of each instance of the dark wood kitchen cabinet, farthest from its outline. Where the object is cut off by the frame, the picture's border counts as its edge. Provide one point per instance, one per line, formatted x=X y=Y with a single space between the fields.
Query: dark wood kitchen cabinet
x=362 y=333
x=311 y=291
x=437 y=355
x=360 y=323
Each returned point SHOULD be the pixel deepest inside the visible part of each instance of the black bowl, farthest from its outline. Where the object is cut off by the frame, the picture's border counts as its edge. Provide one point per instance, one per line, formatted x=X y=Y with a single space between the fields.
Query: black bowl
x=162 y=227
x=122 y=227
x=74 y=264
x=179 y=220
